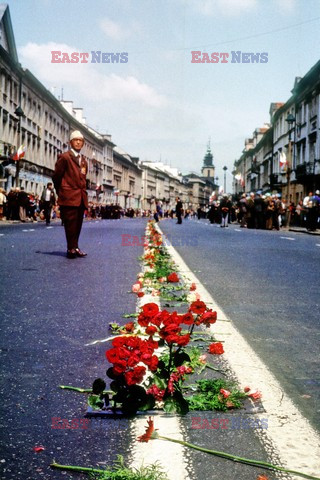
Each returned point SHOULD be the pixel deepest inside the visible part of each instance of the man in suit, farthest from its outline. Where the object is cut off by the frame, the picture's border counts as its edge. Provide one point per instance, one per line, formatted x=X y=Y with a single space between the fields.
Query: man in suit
x=179 y=210
x=69 y=180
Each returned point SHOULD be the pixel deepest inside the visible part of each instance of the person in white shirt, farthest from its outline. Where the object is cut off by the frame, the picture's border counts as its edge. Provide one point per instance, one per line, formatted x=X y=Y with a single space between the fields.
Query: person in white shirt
x=48 y=200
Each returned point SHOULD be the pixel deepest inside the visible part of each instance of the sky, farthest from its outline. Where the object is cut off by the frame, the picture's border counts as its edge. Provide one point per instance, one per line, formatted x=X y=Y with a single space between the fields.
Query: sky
x=160 y=105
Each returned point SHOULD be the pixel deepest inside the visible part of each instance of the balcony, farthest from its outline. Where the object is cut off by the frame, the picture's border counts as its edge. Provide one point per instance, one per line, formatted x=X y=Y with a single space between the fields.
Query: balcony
x=275 y=180
x=305 y=170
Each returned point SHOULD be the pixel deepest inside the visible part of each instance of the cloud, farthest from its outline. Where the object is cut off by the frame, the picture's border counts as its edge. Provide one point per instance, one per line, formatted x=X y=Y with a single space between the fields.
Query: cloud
x=112 y=29
x=224 y=7
x=86 y=78
x=116 y=31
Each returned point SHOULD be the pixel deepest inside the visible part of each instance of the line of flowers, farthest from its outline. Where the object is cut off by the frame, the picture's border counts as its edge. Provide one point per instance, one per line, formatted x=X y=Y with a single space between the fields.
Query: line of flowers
x=153 y=355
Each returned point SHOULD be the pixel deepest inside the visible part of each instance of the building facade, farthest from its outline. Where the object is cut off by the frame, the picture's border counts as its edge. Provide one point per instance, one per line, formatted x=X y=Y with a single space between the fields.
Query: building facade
x=286 y=158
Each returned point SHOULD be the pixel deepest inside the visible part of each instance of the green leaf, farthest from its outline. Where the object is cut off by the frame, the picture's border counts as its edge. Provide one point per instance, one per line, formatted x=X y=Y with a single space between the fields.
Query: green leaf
x=95 y=402
x=176 y=404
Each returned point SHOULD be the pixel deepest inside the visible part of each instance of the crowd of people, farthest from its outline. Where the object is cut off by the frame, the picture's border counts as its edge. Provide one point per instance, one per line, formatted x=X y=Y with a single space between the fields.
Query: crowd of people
x=254 y=210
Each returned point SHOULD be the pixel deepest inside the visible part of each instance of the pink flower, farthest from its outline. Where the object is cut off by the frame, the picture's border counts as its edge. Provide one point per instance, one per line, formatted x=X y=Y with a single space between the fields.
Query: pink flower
x=197 y=296
x=193 y=287
x=162 y=279
x=255 y=395
x=155 y=293
x=136 y=287
x=225 y=393
x=203 y=359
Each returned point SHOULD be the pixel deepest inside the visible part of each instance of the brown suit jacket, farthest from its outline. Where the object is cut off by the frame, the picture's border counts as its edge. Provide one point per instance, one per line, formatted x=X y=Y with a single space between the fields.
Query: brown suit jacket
x=69 y=180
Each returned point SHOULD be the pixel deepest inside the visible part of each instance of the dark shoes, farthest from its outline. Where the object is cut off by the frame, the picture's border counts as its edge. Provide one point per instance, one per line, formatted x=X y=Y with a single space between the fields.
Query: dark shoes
x=79 y=253
x=75 y=252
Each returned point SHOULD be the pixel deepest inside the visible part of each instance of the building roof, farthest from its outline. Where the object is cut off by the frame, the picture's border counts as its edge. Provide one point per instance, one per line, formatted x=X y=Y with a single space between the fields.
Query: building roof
x=6 y=32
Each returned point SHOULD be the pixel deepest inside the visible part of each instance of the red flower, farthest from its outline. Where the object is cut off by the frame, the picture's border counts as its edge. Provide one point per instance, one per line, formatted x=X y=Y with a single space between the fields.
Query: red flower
x=255 y=395
x=187 y=318
x=38 y=449
x=151 y=330
x=148 y=433
x=225 y=393
x=208 y=318
x=246 y=389
x=150 y=309
x=173 y=277
x=135 y=376
x=156 y=392
x=129 y=327
x=216 y=348
x=140 y=294
x=193 y=287
x=183 y=340
x=198 y=307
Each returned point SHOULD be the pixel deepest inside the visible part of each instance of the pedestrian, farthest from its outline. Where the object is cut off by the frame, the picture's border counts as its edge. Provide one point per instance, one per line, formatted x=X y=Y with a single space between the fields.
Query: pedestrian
x=69 y=179
x=179 y=210
x=225 y=206
x=3 y=201
x=48 y=200
x=243 y=211
x=312 y=204
x=23 y=201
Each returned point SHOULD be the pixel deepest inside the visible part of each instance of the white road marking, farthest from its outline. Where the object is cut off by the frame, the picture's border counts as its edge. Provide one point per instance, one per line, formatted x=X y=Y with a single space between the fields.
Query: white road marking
x=287 y=238
x=29 y=230
x=49 y=227
x=237 y=230
x=317 y=244
x=294 y=440
x=1 y=234
x=169 y=455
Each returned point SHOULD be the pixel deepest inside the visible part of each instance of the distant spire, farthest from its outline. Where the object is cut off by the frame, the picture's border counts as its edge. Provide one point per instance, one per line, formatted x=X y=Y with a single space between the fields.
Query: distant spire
x=208 y=159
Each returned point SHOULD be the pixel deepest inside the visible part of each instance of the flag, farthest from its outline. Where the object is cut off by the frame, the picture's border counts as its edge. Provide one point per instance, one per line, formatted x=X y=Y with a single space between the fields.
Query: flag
x=238 y=177
x=19 y=153
x=282 y=160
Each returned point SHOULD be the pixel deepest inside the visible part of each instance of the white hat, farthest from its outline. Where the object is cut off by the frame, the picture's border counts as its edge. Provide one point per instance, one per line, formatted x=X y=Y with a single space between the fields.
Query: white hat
x=76 y=134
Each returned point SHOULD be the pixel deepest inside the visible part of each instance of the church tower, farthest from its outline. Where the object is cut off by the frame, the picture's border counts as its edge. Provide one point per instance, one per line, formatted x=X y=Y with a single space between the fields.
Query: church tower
x=208 y=168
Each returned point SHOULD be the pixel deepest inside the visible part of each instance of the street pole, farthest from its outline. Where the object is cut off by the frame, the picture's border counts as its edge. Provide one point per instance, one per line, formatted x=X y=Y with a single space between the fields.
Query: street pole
x=225 y=180
x=19 y=113
x=291 y=120
x=288 y=180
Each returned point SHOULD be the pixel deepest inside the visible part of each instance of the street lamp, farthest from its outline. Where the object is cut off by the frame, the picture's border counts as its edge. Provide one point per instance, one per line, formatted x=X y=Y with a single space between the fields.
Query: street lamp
x=225 y=179
x=290 y=120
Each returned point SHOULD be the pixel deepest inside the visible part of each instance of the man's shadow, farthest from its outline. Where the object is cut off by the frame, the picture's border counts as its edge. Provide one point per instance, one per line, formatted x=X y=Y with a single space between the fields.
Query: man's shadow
x=58 y=254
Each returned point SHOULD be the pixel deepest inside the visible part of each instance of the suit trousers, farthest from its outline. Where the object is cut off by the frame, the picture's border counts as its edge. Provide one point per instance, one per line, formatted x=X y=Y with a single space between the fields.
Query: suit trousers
x=72 y=218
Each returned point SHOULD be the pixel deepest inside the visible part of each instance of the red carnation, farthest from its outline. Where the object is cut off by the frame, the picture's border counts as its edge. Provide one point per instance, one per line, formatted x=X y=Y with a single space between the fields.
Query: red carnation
x=216 y=348
x=151 y=330
x=173 y=277
x=208 y=318
x=198 y=307
x=150 y=309
x=187 y=319
x=135 y=376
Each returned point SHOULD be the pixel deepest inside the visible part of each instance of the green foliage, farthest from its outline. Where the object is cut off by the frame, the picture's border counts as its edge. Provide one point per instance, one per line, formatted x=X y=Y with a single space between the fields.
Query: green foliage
x=208 y=396
x=176 y=404
x=120 y=472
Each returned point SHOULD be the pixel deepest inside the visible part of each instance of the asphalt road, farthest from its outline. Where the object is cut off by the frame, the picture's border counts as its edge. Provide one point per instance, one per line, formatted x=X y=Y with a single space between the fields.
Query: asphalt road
x=51 y=307
x=267 y=282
